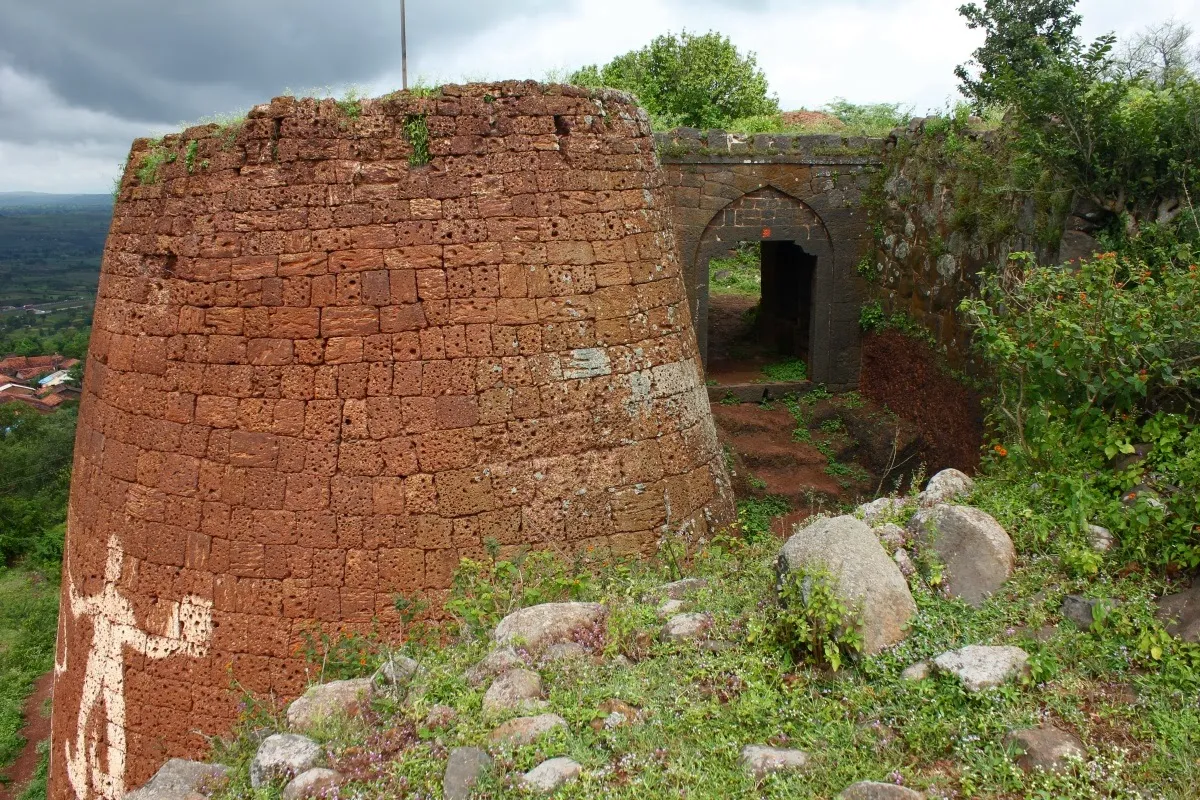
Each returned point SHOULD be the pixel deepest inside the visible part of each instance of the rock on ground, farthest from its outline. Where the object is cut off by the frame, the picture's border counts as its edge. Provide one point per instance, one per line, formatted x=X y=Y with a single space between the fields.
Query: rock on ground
x=515 y=690
x=947 y=485
x=760 y=760
x=1045 y=748
x=1181 y=613
x=872 y=790
x=916 y=672
x=881 y=508
x=283 y=755
x=1100 y=538
x=397 y=671
x=890 y=535
x=682 y=627
x=904 y=562
x=329 y=699
x=980 y=667
x=977 y=553
x=549 y=775
x=525 y=730
x=547 y=624
x=678 y=590
x=494 y=663
x=670 y=607
x=1082 y=610
x=316 y=782
x=178 y=778
x=865 y=578
x=563 y=651
x=440 y=716
x=464 y=768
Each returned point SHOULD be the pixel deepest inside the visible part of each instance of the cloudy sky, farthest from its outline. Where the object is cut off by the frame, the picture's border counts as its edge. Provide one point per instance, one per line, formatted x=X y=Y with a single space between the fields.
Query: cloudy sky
x=80 y=79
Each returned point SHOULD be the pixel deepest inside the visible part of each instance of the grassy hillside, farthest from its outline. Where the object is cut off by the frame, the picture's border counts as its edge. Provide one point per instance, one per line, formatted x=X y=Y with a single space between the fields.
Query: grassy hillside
x=50 y=246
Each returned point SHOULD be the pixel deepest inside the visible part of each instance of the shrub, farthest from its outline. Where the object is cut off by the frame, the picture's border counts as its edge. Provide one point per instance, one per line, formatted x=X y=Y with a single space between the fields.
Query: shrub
x=811 y=624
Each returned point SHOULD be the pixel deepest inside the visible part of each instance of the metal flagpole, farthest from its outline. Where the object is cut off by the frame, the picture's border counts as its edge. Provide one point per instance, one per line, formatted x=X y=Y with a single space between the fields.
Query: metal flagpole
x=403 y=50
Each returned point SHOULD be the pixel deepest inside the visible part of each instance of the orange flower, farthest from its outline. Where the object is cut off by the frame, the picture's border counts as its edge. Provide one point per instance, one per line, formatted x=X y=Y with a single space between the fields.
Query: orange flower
x=1000 y=450
x=1083 y=296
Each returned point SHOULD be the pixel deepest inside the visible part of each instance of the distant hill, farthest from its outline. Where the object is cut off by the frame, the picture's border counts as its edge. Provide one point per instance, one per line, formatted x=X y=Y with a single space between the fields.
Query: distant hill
x=39 y=201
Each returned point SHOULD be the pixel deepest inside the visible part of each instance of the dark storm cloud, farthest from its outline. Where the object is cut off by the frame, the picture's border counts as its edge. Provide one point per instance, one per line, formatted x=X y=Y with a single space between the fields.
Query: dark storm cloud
x=175 y=60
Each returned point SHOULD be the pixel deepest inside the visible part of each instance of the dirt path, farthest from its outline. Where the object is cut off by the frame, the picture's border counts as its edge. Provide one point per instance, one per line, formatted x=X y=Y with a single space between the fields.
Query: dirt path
x=37 y=728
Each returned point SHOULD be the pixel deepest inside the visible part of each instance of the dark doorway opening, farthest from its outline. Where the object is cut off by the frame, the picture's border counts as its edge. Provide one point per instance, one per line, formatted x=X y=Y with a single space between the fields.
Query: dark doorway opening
x=760 y=313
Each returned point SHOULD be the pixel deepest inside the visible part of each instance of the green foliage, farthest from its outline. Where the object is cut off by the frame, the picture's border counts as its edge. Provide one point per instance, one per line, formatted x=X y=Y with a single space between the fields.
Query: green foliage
x=1020 y=36
x=739 y=273
x=787 y=371
x=871 y=316
x=417 y=132
x=1088 y=362
x=28 y=622
x=340 y=656
x=484 y=592
x=755 y=515
x=35 y=475
x=350 y=104
x=193 y=147
x=871 y=119
x=147 y=171
x=812 y=624
x=699 y=80
x=1129 y=146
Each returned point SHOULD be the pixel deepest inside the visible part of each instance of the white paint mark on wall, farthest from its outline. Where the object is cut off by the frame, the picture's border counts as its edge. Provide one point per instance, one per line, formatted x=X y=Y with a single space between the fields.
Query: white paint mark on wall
x=188 y=631
x=587 y=362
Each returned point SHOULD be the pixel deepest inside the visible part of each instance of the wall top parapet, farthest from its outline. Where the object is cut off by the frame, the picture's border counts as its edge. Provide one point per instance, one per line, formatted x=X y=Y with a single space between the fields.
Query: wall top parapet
x=693 y=146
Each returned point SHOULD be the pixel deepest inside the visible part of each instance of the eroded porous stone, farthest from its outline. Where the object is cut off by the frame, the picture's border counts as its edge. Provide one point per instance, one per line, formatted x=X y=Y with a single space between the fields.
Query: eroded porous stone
x=540 y=626
x=979 y=667
x=977 y=553
x=549 y=775
x=873 y=790
x=680 y=589
x=945 y=486
x=1044 y=748
x=396 y=672
x=760 y=760
x=325 y=367
x=866 y=580
x=515 y=690
x=283 y=756
x=316 y=782
x=179 y=778
x=682 y=627
x=525 y=730
x=464 y=768
x=336 y=698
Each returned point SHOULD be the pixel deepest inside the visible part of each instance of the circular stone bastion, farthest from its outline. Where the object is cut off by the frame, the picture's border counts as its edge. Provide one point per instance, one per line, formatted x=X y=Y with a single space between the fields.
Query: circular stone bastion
x=338 y=347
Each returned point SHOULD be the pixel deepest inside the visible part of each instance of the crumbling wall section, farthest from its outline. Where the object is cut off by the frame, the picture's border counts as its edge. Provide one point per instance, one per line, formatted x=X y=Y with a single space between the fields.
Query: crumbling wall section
x=338 y=347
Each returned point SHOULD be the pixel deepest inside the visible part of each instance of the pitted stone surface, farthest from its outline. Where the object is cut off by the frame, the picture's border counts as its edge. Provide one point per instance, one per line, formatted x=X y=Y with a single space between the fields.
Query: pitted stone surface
x=1045 y=748
x=516 y=690
x=494 y=663
x=682 y=627
x=283 y=755
x=539 y=626
x=946 y=486
x=329 y=699
x=177 y=779
x=551 y=774
x=316 y=782
x=980 y=667
x=463 y=770
x=978 y=554
x=873 y=790
x=760 y=760
x=319 y=375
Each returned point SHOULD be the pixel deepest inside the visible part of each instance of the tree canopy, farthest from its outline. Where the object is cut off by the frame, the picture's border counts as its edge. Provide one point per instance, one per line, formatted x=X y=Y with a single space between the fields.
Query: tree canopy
x=699 y=80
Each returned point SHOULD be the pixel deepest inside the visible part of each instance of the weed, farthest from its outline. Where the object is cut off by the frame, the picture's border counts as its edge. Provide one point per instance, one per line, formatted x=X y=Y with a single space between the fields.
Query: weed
x=193 y=147
x=730 y=399
x=787 y=371
x=417 y=132
x=758 y=484
x=812 y=624
x=740 y=273
x=755 y=515
x=833 y=425
x=350 y=104
x=871 y=316
x=147 y=172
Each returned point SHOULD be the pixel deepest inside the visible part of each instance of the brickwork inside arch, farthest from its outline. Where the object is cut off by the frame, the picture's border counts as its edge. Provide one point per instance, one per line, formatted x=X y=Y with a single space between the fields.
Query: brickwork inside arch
x=320 y=374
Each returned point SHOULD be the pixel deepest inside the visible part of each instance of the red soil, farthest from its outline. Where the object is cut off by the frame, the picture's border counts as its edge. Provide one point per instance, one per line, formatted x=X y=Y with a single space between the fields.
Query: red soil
x=37 y=729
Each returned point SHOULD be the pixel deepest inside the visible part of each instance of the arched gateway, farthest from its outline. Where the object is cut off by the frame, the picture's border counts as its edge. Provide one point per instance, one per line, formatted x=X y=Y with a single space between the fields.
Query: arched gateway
x=801 y=197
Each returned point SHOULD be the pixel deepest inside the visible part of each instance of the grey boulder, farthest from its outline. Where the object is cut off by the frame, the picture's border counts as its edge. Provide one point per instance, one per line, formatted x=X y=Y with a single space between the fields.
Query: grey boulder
x=760 y=760
x=464 y=768
x=316 y=782
x=682 y=627
x=881 y=509
x=526 y=730
x=980 y=667
x=547 y=624
x=1083 y=611
x=947 y=485
x=678 y=590
x=178 y=778
x=977 y=553
x=1045 y=748
x=396 y=672
x=494 y=663
x=873 y=790
x=1181 y=613
x=549 y=775
x=283 y=755
x=516 y=690
x=331 y=699
x=865 y=578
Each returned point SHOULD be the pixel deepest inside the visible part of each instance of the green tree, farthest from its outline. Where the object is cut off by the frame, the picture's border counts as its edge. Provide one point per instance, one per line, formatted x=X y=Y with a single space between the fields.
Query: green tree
x=1162 y=54
x=1021 y=35
x=35 y=475
x=689 y=79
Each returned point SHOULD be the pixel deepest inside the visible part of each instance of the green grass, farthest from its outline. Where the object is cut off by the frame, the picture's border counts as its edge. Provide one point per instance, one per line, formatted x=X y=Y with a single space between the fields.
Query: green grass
x=738 y=273
x=861 y=723
x=28 y=621
x=787 y=371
